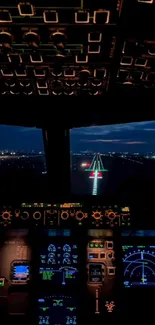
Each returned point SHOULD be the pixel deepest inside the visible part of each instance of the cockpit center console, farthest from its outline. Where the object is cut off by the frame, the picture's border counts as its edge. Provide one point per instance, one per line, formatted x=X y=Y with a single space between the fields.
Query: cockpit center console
x=59 y=262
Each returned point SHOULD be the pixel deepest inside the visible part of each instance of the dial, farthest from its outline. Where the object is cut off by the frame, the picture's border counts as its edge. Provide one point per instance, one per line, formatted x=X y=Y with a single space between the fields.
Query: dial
x=6 y=39
x=51 y=248
x=37 y=215
x=111 y=215
x=64 y=215
x=79 y=215
x=66 y=248
x=51 y=260
x=32 y=39
x=97 y=215
x=66 y=261
x=66 y=255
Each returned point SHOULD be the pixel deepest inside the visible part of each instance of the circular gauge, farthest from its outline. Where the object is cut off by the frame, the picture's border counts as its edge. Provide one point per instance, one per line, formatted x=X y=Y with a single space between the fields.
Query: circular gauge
x=64 y=215
x=25 y=215
x=51 y=248
x=79 y=215
x=66 y=261
x=66 y=248
x=139 y=266
x=37 y=215
x=111 y=215
x=6 y=215
x=51 y=261
x=97 y=215
x=66 y=255
x=51 y=255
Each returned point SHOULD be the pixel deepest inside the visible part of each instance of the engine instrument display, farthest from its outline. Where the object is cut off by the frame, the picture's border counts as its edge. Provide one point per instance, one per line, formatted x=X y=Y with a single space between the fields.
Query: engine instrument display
x=59 y=263
x=139 y=265
x=57 y=309
x=20 y=272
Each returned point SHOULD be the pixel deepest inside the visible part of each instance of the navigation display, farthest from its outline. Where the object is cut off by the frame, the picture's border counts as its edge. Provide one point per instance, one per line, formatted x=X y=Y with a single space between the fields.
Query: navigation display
x=113 y=159
x=139 y=266
x=57 y=309
x=59 y=263
x=20 y=271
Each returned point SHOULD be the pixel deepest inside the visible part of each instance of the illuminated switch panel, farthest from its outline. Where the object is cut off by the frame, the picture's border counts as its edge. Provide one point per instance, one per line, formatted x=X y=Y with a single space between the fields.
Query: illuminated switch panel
x=137 y=64
x=62 y=49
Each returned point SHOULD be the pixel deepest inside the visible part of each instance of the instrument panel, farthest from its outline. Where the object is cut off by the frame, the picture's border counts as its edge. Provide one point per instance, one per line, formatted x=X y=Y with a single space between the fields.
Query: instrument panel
x=65 y=215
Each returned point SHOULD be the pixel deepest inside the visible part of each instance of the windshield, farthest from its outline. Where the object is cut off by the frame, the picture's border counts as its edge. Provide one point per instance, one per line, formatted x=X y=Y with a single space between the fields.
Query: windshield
x=22 y=162
x=113 y=159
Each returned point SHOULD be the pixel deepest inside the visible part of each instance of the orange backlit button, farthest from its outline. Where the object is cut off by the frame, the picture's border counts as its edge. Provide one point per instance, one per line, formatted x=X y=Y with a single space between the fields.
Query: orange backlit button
x=5 y=16
x=151 y=77
x=101 y=17
x=126 y=60
x=94 y=49
x=25 y=9
x=100 y=73
x=82 y=17
x=15 y=59
x=136 y=75
x=41 y=84
x=123 y=75
x=43 y=92
x=50 y=17
x=39 y=72
x=20 y=72
x=94 y=37
x=81 y=58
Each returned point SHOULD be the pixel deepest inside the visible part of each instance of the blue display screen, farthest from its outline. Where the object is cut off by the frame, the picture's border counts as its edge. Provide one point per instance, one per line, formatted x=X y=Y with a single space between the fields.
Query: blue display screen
x=139 y=265
x=20 y=272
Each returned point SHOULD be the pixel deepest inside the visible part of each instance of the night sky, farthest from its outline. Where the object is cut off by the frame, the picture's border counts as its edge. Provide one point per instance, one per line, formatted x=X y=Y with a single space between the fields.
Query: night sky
x=133 y=137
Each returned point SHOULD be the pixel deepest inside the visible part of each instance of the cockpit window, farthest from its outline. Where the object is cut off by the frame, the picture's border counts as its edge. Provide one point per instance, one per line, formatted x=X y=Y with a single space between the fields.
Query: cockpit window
x=113 y=159
x=22 y=162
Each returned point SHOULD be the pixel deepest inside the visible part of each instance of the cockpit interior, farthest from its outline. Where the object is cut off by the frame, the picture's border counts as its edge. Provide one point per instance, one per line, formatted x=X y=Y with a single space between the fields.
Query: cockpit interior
x=77 y=230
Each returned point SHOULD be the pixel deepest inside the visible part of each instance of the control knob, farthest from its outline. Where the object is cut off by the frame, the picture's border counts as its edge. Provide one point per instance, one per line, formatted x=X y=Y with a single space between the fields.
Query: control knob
x=58 y=38
x=97 y=215
x=79 y=215
x=64 y=215
x=6 y=40
x=111 y=215
x=32 y=38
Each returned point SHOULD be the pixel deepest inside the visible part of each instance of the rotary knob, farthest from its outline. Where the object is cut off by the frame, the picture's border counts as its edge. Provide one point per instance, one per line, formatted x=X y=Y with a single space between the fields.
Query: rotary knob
x=84 y=74
x=64 y=215
x=58 y=38
x=79 y=215
x=32 y=38
x=111 y=215
x=6 y=39
x=97 y=215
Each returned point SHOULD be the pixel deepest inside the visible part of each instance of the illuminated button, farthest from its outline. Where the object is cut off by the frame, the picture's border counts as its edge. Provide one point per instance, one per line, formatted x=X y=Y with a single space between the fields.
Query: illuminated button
x=50 y=16
x=85 y=74
x=42 y=84
x=123 y=75
x=101 y=17
x=111 y=270
x=145 y=1
x=82 y=17
x=94 y=49
x=69 y=93
x=57 y=72
x=141 y=62
x=100 y=73
x=102 y=255
x=126 y=60
x=14 y=90
x=96 y=83
x=70 y=83
x=81 y=58
x=15 y=59
x=110 y=244
x=25 y=9
x=36 y=58
x=32 y=39
x=6 y=72
x=56 y=92
x=5 y=16
x=5 y=38
x=39 y=72
x=131 y=48
x=20 y=72
x=151 y=50
x=58 y=37
x=94 y=37
x=10 y=83
x=69 y=73
x=136 y=75
x=43 y=92
x=25 y=83
x=93 y=92
x=151 y=77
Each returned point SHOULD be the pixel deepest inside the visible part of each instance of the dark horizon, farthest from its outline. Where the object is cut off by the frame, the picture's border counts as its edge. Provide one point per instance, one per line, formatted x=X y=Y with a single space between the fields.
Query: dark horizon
x=138 y=137
x=130 y=137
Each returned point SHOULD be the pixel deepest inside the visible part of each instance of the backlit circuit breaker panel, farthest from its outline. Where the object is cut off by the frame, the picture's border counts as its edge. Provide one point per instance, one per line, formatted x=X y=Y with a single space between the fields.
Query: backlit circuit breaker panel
x=57 y=47
x=137 y=64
